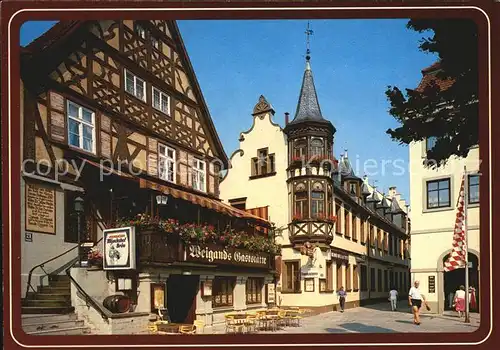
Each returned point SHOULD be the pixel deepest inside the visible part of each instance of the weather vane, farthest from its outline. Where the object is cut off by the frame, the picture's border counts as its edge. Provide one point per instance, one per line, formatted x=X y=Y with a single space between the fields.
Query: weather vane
x=308 y=32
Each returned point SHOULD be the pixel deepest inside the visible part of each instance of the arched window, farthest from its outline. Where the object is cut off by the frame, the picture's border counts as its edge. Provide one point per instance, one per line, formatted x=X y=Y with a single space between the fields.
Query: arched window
x=299 y=149
x=316 y=147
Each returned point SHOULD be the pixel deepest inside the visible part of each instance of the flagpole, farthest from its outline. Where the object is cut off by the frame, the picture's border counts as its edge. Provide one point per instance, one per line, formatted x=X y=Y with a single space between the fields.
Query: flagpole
x=466 y=245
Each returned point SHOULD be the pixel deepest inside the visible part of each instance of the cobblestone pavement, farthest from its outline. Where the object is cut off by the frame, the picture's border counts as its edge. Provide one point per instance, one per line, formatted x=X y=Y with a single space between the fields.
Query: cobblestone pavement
x=380 y=319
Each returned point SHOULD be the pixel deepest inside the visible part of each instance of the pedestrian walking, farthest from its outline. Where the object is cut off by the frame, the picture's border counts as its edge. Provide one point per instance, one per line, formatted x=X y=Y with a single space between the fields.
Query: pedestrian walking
x=393 y=298
x=460 y=301
x=415 y=299
x=472 y=298
x=342 y=295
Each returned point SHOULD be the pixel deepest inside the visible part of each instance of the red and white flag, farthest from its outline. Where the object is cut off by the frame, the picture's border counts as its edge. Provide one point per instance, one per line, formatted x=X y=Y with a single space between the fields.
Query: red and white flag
x=456 y=259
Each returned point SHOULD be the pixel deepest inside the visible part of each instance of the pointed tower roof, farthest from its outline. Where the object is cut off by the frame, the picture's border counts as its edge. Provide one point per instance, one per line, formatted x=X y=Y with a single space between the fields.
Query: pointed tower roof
x=386 y=204
x=365 y=189
x=395 y=208
x=346 y=168
x=308 y=107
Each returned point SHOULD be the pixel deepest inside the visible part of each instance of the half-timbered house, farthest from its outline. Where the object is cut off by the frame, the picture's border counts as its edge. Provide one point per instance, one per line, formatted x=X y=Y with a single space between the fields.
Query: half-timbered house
x=115 y=126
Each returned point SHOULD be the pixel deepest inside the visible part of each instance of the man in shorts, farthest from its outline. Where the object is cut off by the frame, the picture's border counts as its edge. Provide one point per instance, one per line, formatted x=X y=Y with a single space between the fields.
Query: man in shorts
x=415 y=299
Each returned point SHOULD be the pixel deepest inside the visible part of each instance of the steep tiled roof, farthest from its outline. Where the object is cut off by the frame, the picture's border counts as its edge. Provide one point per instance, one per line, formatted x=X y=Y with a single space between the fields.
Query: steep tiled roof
x=429 y=76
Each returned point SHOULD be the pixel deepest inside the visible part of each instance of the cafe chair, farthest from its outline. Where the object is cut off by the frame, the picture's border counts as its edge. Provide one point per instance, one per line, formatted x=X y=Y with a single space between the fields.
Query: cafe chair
x=187 y=329
x=297 y=317
x=232 y=326
x=152 y=328
x=251 y=323
x=282 y=319
x=199 y=326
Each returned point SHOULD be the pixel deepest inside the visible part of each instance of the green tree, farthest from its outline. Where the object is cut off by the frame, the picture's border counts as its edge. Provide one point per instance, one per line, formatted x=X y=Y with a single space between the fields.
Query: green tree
x=447 y=107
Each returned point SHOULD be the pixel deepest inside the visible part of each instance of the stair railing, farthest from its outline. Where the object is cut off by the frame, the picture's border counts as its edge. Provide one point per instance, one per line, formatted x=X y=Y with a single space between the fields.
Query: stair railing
x=88 y=299
x=42 y=265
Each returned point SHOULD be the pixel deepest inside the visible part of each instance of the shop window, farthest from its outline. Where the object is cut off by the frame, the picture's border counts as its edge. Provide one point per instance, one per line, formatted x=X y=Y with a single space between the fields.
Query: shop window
x=364 y=278
x=339 y=276
x=254 y=290
x=355 y=278
x=372 y=279
x=348 y=284
x=291 y=277
x=386 y=282
x=329 y=276
x=379 y=280
x=222 y=291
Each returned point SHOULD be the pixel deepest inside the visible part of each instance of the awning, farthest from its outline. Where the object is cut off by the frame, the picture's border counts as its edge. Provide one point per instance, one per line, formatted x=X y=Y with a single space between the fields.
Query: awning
x=205 y=202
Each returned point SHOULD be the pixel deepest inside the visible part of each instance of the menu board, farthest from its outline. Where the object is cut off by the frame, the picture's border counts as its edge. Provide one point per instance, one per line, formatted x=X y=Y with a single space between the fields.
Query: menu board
x=271 y=296
x=432 y=284
x=40 y=208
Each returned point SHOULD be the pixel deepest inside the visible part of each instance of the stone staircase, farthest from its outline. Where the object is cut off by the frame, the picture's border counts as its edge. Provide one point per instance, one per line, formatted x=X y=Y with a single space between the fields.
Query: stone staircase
x=52 y=299
x=54 y=324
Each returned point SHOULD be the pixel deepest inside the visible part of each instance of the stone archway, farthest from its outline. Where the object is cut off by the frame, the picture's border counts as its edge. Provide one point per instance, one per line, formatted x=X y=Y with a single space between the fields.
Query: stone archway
x=473 y=256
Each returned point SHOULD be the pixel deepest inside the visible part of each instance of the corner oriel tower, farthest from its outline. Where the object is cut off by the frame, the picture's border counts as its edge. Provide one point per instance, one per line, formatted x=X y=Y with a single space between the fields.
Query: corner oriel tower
x=310 y=164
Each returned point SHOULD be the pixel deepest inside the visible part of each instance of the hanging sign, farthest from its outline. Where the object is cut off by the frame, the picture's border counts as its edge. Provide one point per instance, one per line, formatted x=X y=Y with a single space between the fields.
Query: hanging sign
x=119 y=249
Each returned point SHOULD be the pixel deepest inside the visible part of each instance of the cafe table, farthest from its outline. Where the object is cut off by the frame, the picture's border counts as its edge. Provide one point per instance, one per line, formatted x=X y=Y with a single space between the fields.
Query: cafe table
x=171 y=328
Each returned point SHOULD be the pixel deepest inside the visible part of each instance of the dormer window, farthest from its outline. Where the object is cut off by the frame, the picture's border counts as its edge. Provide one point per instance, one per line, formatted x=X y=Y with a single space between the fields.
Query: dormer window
x=352 y=189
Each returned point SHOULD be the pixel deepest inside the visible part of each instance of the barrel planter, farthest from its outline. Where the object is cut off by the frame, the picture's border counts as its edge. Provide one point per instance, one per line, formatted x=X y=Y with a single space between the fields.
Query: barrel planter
x=117 y=304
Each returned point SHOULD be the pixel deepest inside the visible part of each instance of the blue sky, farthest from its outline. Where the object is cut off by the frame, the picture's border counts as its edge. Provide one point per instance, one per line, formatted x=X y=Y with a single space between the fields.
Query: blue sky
x=353 y=62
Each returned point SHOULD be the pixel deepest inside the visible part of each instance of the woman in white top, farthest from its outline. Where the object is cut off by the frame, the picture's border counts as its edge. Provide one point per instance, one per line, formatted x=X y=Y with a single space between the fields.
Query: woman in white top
x=393 y=298
x=415 y=301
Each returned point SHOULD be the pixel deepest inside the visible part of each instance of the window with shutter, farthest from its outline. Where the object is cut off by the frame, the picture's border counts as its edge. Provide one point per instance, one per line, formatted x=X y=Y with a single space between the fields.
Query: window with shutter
x=348 y=285
x=339 y=276
x=355 y=278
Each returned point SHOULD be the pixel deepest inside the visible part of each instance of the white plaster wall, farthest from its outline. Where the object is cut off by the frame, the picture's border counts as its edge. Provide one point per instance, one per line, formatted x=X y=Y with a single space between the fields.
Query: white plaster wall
x=44 y=246
x=272 y=190
x=432 y=231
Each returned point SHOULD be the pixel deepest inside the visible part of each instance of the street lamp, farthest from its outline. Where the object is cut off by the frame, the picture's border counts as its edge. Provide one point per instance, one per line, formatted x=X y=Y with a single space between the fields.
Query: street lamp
x=79 y=210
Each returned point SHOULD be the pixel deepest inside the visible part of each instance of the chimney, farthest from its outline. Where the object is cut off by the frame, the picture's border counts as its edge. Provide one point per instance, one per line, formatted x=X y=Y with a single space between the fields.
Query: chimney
x=286 y=117
x=392 y=191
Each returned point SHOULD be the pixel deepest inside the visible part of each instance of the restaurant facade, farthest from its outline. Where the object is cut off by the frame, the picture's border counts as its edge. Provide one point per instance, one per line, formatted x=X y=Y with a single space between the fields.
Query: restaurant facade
x=120 y=182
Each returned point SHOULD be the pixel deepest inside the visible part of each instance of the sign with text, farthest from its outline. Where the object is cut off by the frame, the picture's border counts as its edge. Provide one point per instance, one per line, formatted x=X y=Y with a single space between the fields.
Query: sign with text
x=215 y=254
x=432 y=284
x=119 y=249
x=40 y=208
x=339 y=255
x=271 y=295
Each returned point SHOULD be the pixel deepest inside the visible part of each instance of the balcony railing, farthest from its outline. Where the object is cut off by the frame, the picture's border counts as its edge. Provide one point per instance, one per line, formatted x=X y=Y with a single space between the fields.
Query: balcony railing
x=158 y=248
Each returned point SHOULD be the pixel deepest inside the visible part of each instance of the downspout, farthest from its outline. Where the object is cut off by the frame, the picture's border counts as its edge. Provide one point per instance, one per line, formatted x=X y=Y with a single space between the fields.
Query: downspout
x=368 y=256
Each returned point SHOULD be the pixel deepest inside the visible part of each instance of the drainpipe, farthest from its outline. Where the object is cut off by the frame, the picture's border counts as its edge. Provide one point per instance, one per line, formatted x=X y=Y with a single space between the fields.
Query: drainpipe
x=368 y=256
